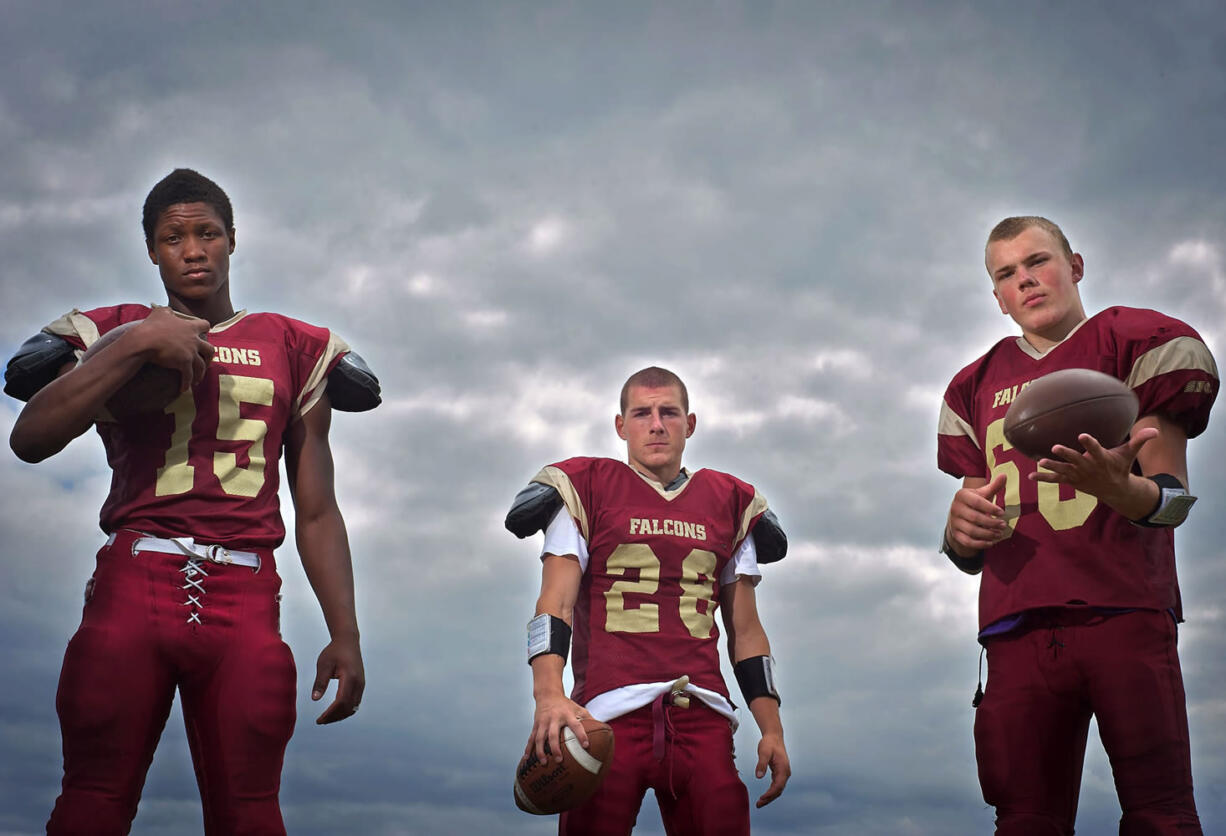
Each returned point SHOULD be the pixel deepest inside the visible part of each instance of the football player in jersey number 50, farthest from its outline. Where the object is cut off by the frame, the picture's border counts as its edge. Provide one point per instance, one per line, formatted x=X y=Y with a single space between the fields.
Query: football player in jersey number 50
x=1078 y=600
x=638 y=557
x=185 y=592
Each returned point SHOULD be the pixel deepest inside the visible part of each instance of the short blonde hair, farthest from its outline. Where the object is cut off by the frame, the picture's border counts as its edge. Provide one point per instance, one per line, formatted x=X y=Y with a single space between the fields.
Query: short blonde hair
x=654 y=377
x=1010 y=228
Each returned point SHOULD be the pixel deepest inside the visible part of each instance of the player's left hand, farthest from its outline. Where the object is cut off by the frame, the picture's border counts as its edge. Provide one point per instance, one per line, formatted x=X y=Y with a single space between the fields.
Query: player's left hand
x=771 y=753
x=1099 y=471
x=340 y=660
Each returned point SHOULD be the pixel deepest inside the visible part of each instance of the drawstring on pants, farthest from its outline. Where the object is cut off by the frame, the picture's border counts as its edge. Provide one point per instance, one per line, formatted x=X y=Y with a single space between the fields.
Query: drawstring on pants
x=978 y=698
x=662 y=727
x=1055 y=644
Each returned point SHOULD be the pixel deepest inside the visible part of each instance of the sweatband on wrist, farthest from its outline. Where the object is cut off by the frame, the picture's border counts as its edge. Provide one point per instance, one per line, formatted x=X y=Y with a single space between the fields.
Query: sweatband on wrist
x=756 y=676
x=548 y=634
x=1174 y=502
x=972 y=565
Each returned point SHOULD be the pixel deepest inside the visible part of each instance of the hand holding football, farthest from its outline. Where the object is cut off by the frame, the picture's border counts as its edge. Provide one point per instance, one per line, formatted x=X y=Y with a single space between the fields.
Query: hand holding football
x=151 y=389
x=547 y=787
x=1058 y=407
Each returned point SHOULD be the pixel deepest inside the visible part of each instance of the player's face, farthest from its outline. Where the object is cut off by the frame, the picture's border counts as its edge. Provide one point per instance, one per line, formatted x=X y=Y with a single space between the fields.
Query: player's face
x=655 y=427
x=1036 y=284
x=191 y=247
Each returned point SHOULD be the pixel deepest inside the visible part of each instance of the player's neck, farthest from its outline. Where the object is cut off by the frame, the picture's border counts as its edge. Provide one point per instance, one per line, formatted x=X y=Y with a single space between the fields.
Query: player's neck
x=664 y=475
x=1043 y=341
x=217 y=308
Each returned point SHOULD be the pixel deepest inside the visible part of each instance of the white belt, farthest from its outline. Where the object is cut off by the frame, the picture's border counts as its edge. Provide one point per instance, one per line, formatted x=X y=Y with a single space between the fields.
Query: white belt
x=186 y=545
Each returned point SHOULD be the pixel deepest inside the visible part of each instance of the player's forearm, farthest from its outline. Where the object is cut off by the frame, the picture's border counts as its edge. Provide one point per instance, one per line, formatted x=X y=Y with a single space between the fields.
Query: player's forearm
x=65 y=407
x=748 y=641
x=765 y=712
x=323 y=546
x=1134 y=499
x=547 y=676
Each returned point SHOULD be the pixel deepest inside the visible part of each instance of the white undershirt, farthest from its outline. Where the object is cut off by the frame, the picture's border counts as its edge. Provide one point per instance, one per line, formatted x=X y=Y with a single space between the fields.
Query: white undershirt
x=562 y=537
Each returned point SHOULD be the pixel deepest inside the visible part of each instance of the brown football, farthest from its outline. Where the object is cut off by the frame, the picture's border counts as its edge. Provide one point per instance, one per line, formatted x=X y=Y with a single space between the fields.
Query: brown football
x=151 y=389
x=544 y=788
x=1057 y=407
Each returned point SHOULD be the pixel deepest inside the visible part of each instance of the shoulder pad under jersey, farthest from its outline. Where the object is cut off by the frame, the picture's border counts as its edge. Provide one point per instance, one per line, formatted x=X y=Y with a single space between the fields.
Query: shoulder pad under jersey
x=352 y=386
x=36 y=364
x=532 y=509
x=769 y=539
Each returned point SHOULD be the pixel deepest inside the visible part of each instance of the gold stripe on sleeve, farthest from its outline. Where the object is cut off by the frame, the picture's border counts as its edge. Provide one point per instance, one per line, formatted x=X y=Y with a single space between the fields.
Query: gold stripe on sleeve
x=1179 y=354
x=557 y=479
x=317 y=381
x=75 y=324
x=951 y=423
x=756 y=506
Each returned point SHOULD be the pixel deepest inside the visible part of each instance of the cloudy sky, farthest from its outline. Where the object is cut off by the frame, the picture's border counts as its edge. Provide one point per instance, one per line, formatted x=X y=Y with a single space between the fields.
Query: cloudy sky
x=509 y=207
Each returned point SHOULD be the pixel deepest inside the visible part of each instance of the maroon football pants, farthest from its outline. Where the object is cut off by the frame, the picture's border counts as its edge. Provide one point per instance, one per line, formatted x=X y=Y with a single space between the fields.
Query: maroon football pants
x=1030 y=730
x=153 y=623
x=685 y=756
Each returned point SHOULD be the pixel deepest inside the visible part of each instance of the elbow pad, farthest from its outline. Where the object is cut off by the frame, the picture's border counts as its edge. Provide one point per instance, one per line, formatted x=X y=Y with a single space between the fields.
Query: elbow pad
x=769 y=540
x=352 y=386
x=36 y=364
x=532 y=509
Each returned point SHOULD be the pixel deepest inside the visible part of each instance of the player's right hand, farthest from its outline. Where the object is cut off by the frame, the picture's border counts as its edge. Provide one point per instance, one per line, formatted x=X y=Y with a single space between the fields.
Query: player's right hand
x=552 y=713
x=177 y=342
x=975 y=521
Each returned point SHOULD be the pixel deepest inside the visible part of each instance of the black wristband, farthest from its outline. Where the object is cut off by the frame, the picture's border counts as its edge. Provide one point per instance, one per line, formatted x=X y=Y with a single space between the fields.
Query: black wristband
x=972 y=565
x=548 y=634
x=1174 y=502
x=756 y=676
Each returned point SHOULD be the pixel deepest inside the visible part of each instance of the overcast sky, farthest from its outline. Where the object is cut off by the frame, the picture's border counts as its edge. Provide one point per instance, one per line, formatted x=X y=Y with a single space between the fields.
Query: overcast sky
x=509 y=207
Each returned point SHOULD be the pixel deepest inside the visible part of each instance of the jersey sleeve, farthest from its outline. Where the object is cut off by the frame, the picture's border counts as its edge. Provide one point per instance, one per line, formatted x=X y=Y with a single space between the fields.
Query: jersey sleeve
x=749 y=515
x=313 y=352
x=572 y=489
x=958 y=450
x=83 y=328
x=1168 y=366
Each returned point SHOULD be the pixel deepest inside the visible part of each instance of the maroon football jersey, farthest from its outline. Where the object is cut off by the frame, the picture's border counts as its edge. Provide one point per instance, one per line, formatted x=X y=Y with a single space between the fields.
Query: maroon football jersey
x=1065 y=545
x=208 y=465
x=646 y=606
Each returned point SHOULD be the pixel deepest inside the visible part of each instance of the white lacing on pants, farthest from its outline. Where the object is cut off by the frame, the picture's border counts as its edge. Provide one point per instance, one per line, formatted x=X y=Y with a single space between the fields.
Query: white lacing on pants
x=194 y=575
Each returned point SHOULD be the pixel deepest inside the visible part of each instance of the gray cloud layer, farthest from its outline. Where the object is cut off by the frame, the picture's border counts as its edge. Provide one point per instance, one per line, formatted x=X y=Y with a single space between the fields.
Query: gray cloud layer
x=507 y=209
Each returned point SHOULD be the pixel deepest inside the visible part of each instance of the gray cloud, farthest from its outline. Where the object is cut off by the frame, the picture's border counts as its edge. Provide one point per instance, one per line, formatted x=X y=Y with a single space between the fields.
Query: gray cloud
x=508 y=209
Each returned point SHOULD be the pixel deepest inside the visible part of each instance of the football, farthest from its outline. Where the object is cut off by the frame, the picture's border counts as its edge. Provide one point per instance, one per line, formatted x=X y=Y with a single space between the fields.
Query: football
x=547 y=787
x=1057 y=407
x=151 y=389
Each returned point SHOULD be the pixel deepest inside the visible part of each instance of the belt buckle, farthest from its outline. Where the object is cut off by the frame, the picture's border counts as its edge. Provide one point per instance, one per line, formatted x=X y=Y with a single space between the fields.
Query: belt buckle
x=218 y=554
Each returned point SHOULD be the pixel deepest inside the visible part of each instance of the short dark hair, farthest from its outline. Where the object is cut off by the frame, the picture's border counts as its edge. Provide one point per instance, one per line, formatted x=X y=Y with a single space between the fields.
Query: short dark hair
x=654 y=377
x=1010 y=228
x=183 y=185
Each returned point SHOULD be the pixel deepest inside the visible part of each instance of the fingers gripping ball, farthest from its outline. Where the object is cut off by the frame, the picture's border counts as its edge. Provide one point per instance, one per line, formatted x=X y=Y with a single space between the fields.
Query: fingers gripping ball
x=1057 y=407
x=547 y=787
x=151 y=389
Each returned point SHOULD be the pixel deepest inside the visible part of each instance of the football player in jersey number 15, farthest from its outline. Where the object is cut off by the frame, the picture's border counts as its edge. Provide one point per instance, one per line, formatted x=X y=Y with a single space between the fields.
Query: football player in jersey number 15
x=1078 y=599
x=638 y=556
x=185 y=593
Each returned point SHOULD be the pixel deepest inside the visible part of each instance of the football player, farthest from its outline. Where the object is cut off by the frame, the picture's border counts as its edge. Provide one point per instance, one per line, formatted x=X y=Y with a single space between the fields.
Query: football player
x=185 y=594
x=638 y=557
x=1078 y=599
